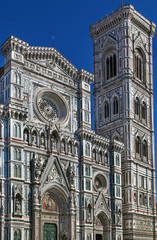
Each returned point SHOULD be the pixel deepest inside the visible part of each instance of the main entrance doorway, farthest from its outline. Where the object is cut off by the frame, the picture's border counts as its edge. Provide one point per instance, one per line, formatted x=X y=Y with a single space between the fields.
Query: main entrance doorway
x=98 y=237
x=50 y=231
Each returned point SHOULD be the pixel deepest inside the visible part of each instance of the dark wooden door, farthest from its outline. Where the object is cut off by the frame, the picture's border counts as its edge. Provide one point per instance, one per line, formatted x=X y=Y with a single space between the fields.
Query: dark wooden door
x=50 y=231
x=98 y=237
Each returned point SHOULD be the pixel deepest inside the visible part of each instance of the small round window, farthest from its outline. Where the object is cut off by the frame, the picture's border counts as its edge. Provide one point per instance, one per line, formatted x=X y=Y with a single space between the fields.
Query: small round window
x=100 y=182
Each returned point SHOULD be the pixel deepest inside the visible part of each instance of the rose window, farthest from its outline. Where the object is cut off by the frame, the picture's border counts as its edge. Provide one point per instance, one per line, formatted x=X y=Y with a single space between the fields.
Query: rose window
x=50 y=106
x=48 y=109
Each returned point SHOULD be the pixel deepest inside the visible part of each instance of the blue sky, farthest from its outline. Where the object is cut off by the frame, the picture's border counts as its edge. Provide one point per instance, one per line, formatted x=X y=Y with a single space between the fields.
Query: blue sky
x=68 y=21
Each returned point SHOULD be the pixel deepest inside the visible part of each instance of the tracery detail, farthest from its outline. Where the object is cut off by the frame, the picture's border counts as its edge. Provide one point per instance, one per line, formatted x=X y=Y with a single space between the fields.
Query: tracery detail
x=48 y=109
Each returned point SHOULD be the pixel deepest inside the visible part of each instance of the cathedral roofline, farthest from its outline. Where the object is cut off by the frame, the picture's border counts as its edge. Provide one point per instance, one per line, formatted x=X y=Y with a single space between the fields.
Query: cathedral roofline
x=125 y=11
x=36 y=52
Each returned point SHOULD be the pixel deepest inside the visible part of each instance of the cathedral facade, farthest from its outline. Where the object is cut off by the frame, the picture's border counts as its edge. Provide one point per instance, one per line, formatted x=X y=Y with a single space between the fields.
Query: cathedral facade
x=60 y=180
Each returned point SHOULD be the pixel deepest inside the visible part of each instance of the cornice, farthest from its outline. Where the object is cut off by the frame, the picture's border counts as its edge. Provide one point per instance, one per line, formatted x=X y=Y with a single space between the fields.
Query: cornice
x=85 y=133
x=35 y=54
x=124 y=12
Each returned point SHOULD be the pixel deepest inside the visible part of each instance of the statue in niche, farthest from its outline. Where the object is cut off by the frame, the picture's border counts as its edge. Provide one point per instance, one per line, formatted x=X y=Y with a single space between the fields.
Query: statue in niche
x=18 y=205
x=34 y=138
x=71 y=174
x=119 y=217
x=89 y=210
x=54 y=141
x=63 y=146
x=26 y=136
x=37 y=166
x=42 y=140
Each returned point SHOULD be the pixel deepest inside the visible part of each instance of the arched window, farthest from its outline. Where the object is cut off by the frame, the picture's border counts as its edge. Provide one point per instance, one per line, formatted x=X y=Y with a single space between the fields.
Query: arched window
x=17 y=154
x=117 y=160
x=86 y=116
x=17 y=171
x=107 y=68
x=106 y=110
x=16 y=92
x=144 y=111
x=139 y=65
x=87 y=149
x=17 y=130
x=138 y=145
x=115 y=106
x=100 y=117
x=111 y=66
x=144 y=148
x=87 y=104
x=115 y=64
x=135 y=197
x=137 y=106
x=17 y=235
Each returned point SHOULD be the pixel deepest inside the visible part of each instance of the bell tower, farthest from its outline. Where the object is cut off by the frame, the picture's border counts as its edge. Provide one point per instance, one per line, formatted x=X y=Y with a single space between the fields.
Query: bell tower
x=123 y=103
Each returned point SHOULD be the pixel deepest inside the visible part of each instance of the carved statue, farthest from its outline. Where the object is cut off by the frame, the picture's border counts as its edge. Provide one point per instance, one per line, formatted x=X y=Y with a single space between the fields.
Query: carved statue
x=54 y=142
x=25 y=137
x=34 y=139
x=72 y=175
x=37 y=166
x=119 y=217
x=42 y=141
x=89 y=210
x=17 y=206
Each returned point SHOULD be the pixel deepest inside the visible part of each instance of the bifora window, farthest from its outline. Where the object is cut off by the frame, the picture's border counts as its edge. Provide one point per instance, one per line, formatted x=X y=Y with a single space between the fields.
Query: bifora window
x=144 y=111
x=139 y=63
x=137 y=106
x=17 y=235
x=87 y=149
x=138 y=145
x=106 y=110
x=17 y=130
x=115 y=106
x=144 y=148
x=111 y=66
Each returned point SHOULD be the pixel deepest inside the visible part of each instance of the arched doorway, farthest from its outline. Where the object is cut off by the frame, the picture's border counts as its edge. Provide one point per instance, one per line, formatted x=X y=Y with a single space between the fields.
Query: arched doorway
x=102 y=227
x=54 y=215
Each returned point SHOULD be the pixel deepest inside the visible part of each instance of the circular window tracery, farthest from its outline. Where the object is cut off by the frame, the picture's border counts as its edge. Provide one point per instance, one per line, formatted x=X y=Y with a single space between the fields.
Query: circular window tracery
x=48 y=109
x=100 y=182
x=51 y=106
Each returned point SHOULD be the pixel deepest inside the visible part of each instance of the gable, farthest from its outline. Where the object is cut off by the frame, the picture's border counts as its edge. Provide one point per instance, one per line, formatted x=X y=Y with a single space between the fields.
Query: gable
x=101 y=206
x=53 y=175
